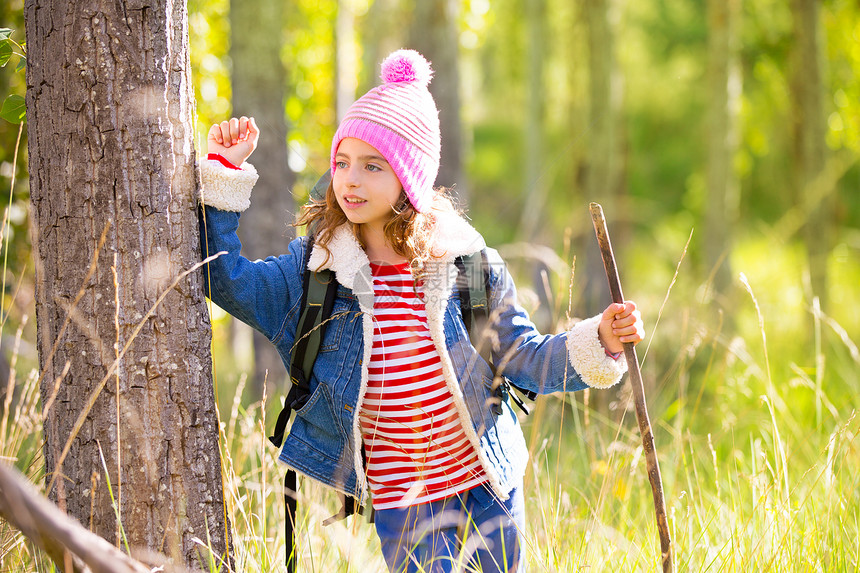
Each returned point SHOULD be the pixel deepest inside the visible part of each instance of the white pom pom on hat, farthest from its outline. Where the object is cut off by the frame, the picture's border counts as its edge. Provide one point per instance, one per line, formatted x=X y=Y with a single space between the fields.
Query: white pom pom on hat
x=399 y=118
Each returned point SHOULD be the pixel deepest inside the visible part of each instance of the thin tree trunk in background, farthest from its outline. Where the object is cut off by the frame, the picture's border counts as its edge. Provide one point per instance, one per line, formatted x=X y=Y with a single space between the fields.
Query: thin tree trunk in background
x=604 y=177
x=381 y=34
x=112 y=156
x=724 y=92
x=259 y=87
x=535 y=183
x=435 y=33
x=809 y=133
x=346 y=77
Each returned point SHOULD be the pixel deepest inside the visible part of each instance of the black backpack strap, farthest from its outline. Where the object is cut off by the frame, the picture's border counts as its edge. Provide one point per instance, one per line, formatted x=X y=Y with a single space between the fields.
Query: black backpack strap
x=319 y=290
x=463 y=293
x=473 y=283
x=475 y=293
x=290 y=503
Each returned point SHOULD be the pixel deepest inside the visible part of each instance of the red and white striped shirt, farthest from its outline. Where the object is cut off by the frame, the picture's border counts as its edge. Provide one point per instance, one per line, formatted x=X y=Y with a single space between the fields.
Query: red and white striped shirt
x=416 y=448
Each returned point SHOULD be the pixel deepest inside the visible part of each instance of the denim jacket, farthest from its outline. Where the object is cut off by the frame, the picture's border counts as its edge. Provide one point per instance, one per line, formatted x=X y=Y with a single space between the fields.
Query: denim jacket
x=324 y=440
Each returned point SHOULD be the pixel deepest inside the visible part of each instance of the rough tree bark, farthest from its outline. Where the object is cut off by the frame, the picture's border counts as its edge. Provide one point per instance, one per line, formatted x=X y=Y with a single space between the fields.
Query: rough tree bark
x=111 y=153
x=258 y=83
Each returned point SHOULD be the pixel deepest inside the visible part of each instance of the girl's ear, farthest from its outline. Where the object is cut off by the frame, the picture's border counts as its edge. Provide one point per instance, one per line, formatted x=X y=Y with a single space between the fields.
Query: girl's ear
x=402 y=203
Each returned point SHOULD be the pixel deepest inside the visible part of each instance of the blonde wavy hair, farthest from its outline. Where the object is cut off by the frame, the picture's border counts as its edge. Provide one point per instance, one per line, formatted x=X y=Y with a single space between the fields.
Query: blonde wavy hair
x=409 y=232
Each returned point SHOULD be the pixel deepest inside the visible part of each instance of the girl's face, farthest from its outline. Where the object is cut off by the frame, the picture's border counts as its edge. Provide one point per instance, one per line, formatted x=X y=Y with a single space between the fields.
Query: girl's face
x=364 y=183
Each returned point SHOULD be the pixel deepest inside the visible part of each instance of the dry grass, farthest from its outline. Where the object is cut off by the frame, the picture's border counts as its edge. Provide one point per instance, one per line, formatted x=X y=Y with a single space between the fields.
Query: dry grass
x=755 y=428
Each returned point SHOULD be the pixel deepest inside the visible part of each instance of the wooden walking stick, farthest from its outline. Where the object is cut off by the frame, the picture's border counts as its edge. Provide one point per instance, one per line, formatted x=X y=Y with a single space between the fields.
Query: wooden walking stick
x=651 y=462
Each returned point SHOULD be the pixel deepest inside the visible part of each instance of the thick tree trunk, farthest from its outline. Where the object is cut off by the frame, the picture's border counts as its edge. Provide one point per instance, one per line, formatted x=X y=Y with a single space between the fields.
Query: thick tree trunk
x=258 y=83
x=809 y=133
x=435 y=34
x=724 y=92
x=113 y=186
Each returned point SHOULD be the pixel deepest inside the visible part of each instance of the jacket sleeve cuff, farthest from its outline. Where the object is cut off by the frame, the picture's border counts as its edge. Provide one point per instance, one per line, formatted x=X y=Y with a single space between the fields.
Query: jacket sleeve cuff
x=588 y=357
x=224 y=188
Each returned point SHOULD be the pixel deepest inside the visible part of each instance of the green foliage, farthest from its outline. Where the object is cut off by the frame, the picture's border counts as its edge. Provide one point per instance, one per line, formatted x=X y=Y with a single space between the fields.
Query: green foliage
x=209 y=39
x=14 y=242
x=7 y=49
x=5 y=52
x=13 y=109
x=842 y=29
x=308 y=55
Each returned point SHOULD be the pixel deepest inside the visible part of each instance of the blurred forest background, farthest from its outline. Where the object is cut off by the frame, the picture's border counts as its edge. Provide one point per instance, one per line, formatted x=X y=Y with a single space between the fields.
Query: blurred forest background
x=722 y=138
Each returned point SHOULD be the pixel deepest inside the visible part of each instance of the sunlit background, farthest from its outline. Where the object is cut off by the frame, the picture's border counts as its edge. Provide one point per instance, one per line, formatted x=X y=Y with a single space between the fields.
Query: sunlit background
x=722 y=138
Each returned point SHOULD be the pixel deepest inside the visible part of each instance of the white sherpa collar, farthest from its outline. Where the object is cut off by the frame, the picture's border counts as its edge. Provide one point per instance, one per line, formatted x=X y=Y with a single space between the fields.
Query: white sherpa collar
x=343 y=255
x=453 y=237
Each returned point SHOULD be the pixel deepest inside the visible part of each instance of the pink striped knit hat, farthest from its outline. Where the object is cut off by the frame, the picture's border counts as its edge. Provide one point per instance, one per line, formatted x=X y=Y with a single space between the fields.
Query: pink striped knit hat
x=399 y=118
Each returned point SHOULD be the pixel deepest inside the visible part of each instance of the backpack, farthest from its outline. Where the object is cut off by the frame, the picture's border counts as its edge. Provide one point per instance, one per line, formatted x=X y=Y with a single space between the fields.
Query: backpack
x=319 y=290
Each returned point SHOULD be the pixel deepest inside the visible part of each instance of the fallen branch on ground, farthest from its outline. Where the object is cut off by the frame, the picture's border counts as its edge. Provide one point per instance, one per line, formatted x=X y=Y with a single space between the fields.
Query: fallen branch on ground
x=72 y=547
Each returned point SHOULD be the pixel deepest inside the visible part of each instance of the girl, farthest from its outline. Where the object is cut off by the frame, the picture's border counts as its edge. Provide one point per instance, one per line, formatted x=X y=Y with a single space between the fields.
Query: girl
x=402 y=407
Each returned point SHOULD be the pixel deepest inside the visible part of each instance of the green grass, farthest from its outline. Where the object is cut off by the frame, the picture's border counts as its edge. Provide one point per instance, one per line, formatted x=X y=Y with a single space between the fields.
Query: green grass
x=754 y=414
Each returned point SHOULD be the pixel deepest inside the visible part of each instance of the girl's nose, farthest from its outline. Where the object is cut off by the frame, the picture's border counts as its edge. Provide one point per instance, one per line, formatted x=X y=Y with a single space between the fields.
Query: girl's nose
x=351 y=176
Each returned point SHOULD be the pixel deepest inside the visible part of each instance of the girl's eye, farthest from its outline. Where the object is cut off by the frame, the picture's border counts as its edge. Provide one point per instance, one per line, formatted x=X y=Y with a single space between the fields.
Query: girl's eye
x=340 y=164
x=372 y=167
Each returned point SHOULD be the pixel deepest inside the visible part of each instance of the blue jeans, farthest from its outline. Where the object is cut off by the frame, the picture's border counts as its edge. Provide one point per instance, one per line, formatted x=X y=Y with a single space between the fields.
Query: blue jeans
x=472 y=531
